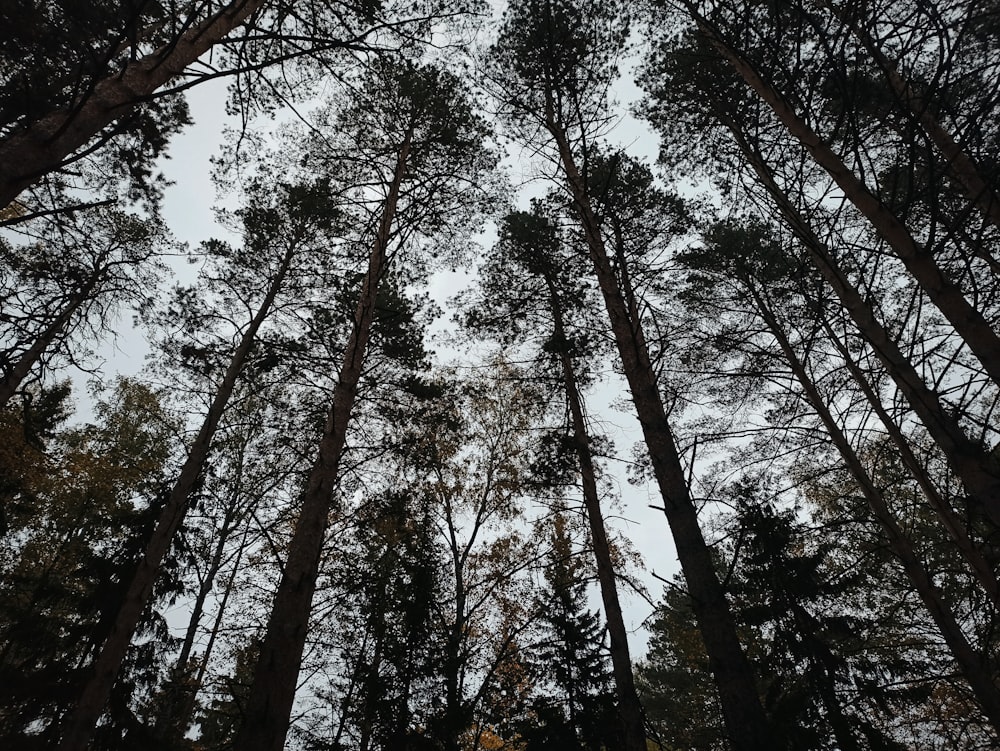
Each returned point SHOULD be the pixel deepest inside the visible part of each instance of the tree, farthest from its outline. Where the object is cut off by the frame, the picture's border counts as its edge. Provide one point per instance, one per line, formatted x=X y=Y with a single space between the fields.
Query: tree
x=67 y=282
x=761 y=269
x=92 y=514
x=553 y=63
x=674 y=679
x=308 y=213
x=422 y=118
x=570 y=661
x=531 y=283
x=94 y=94
x=968 y=456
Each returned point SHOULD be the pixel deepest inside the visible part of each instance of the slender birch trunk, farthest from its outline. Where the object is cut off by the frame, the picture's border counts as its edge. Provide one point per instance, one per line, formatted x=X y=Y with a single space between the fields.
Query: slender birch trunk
x=186 y=714
x=269 y=707
x=172 y=722
x=82 y=721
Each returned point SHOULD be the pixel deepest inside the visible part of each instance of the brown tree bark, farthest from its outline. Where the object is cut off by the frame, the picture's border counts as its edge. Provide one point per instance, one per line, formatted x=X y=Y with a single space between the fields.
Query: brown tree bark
x=746 y=723
x=629 y=707
x=44 y=145
x=80 y=725
x=967 y=321
x=268 y=709
x=970 y=662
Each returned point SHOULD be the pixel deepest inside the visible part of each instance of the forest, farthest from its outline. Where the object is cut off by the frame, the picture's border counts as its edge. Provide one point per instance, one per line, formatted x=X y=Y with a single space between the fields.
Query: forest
x=347 y=506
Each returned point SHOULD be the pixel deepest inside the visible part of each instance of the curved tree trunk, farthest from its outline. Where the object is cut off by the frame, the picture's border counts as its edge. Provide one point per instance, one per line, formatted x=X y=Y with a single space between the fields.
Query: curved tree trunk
x=94 y=697
x=272 y=694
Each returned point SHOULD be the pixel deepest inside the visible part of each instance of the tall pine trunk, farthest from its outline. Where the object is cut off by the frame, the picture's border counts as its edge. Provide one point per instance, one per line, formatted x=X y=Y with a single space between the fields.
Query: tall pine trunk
x=272 y=693
x=45 y=144
x=629 y=708
x=94 y=697
x=977 y=470
x=746 y=723
x=944 y=294
x=971 y=663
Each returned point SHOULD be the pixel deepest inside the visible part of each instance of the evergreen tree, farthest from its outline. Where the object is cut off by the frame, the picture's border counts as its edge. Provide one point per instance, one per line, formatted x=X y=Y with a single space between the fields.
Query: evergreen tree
x=576 y=708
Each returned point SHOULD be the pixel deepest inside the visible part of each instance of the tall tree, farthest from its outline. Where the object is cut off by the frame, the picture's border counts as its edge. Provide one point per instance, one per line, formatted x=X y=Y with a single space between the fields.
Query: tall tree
x=302 y=216
x=532 y=284
x=569 y=661
x=416 y=124
x=91 y=517
x=552 y=66
x=739 y=117
x=760 y=268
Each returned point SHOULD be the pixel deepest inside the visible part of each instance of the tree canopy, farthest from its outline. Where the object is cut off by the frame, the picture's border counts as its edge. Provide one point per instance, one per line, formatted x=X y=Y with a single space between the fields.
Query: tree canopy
x=384 y=479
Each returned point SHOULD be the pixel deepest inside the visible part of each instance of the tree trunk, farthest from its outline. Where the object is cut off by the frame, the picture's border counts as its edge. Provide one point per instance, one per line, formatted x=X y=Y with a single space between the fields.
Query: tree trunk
x=172 y=722
x=45 y=145
x=967 y=321
x=971 y=663
x=746 y=723
x=185 y=714
x=975 y=468
x=81 y=723
x=272 y=694
x=956 y=529
x=629 y=708
x=20 y=369
x=961 y=168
